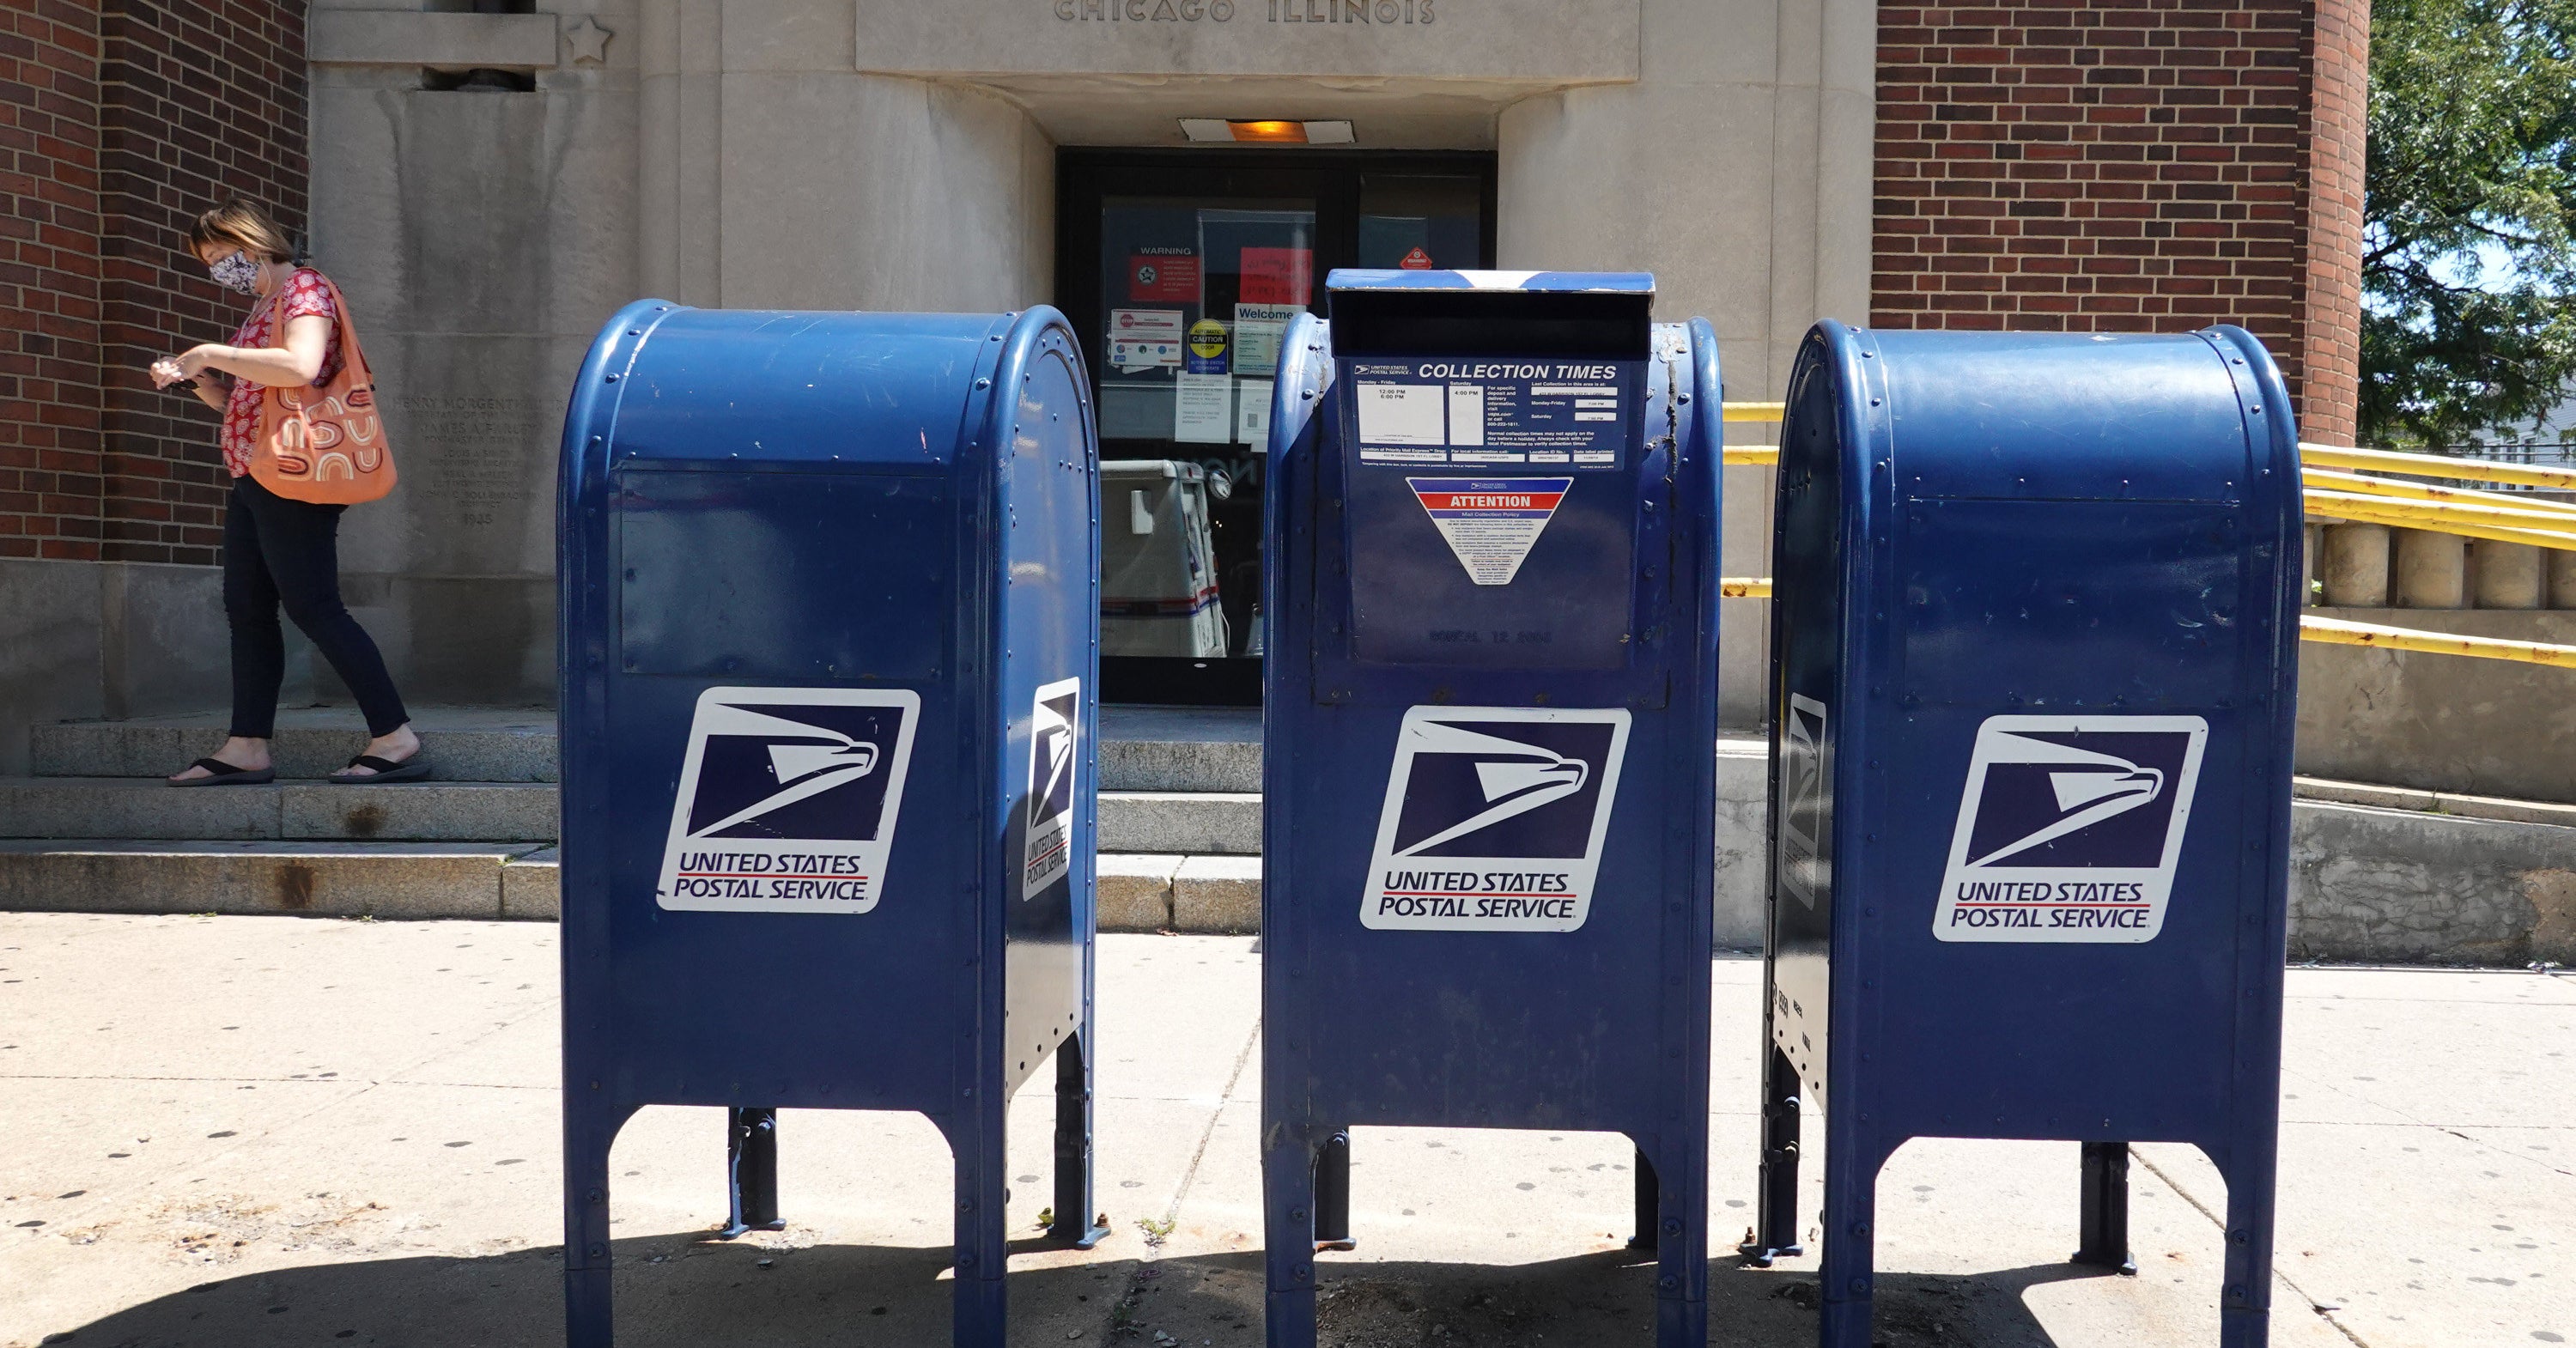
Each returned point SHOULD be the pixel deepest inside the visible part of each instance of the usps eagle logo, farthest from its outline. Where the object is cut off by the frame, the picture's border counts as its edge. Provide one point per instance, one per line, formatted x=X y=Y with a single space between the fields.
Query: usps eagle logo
x=2069 y=828
x=1055 y=728
x=1494 y=818
x=787 y=799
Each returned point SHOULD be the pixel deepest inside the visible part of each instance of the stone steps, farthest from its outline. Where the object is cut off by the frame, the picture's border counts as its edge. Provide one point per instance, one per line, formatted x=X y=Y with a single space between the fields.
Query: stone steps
x=403 y=880
x=1165 y=749
x=1222 y=823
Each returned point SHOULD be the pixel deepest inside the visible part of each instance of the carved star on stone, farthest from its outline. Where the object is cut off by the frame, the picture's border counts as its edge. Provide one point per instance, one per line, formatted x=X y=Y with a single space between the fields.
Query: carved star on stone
x=589 y=41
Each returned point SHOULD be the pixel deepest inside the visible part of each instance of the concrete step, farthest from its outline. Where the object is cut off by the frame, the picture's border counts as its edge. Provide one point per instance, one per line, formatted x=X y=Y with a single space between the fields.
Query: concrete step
x=464 y=744
x=306 y=879
x=143 y=808
x=1141 y=749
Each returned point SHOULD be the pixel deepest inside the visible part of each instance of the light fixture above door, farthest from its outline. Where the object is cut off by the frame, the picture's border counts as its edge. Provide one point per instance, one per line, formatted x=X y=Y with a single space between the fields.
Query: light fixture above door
x=1206 y=130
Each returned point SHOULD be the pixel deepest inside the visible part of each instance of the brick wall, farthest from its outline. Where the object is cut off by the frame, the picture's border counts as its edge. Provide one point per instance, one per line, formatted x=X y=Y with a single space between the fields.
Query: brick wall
x=203 y=98
x=119 y=122
x=2129 y=165
x=2335 y=131
x=49 y=413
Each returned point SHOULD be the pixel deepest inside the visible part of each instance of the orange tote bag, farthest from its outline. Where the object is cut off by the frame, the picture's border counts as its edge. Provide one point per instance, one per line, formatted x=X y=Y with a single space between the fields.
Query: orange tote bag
x=325 y=443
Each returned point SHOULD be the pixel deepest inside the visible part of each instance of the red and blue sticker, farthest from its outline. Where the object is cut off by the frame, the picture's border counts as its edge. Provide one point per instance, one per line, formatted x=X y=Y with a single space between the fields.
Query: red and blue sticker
x=1490 y=524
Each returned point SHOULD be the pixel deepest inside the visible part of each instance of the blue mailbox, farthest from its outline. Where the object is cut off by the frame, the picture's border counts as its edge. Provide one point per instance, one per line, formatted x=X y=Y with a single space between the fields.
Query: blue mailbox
x=2032 y=686
x=1491 y=554
x=829 y=639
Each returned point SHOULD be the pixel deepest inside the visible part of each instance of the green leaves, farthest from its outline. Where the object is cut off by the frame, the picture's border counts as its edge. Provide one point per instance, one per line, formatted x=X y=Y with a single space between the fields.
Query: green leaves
x=2469 y=242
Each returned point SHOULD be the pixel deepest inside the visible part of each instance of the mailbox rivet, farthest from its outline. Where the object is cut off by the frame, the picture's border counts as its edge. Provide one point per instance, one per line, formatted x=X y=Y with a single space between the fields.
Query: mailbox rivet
x=1860 y=1284
x=1668 y=1282
x=596 y=1195
x=596 y=1251
x=1296 y=1214
x=983 y=383
x=1860 y=1228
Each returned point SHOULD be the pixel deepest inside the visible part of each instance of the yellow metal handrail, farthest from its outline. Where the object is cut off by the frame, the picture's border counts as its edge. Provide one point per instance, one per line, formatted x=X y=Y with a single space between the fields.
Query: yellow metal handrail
x=2334 y=631
x=2489 y=522
x=2436 y=465
x=2331 y=480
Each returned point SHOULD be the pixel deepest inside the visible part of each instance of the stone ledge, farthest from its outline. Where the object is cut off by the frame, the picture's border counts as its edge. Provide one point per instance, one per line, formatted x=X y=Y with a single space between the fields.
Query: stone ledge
x=386 y=880
x=388 y=37
x=2434 y=802
x=1217 y=895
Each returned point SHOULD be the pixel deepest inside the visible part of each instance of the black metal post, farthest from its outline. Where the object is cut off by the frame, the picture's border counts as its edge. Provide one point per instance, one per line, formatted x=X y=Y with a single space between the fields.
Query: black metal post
x=2105 y=1230
x=751 y=1171
x=1333 y=1193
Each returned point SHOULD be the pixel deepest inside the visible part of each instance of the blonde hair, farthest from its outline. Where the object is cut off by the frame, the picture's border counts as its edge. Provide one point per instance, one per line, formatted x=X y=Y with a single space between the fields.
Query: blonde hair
x=244 y=226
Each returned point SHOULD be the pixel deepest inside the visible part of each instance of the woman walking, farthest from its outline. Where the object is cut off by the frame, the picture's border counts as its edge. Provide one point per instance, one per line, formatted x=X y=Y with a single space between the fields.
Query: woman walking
x=289 y=418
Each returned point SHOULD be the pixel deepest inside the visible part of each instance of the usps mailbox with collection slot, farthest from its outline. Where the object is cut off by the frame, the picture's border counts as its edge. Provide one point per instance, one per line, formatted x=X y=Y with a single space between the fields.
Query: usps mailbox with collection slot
x=2034 y=634
x=830 y=626
x=1491 y=557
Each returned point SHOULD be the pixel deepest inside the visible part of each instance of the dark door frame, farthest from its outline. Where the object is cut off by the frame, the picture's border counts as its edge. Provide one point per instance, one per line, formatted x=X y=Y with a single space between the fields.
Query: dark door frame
x=1085 y=176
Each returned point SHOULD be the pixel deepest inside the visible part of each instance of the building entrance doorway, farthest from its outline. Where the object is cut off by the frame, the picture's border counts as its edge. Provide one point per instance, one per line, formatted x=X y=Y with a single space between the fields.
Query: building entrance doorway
x=1181 y=270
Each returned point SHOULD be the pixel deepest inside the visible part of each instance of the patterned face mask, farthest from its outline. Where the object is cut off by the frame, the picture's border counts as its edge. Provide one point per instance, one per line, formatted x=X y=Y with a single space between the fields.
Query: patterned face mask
x=237 y=272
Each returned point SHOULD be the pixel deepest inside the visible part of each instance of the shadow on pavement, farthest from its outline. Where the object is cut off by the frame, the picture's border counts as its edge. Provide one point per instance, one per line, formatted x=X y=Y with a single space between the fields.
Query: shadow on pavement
x=680 y=1290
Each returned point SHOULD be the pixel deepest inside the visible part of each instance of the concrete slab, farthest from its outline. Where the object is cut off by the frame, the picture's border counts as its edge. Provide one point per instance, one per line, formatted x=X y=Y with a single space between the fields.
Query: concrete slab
x=308 y=879
x=1217 y=894
x=144 y=807
x=1180 y=748
x=532 y=886
x=418 y=1186
x=1136 y=891
x=466 y=744
x=1226 y=822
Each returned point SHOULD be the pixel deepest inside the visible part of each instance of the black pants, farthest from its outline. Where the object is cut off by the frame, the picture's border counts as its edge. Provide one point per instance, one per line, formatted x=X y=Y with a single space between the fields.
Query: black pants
x=282 y=552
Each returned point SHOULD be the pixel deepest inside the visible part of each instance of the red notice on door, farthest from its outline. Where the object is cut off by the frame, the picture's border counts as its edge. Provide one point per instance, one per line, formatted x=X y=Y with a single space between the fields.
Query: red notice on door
x=1163 y=274
x=1417 y=260
x=1278 y=275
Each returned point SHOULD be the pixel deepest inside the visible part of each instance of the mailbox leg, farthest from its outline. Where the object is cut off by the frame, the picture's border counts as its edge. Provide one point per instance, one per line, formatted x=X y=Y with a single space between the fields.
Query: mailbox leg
x=588 y=1317
x=979 y=1318
x=1288 y=1223
x=1847 y=1272
x=1075 y=1224
x=751 y=1172
x=1650 y=1203
x=2104 y=1233
x=1333 y=1193
x=2245 y=1307
x=1775 y=1232
x=1680 y=1233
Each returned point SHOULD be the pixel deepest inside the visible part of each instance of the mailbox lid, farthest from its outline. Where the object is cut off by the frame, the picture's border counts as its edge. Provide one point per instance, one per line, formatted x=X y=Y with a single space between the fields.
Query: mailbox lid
x=745 y=387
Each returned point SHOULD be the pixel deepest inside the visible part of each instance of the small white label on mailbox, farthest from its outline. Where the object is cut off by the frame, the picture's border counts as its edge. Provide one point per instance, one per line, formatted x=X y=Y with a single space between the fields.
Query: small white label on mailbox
x=1494 y=818
x=1055 y=728
x=2069 y=828
x=787 y=800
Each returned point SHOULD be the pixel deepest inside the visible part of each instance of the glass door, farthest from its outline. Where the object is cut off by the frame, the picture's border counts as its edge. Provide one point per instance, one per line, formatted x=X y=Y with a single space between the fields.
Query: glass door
x=1182 y=270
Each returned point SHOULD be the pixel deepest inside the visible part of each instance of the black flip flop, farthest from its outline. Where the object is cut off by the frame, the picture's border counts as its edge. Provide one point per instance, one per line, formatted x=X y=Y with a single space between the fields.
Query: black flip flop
x=412 y=769
x=224 y=774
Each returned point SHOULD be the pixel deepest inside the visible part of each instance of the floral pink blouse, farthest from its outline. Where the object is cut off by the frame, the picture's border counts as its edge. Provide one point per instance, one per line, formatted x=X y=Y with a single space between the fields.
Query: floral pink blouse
x=304 y=293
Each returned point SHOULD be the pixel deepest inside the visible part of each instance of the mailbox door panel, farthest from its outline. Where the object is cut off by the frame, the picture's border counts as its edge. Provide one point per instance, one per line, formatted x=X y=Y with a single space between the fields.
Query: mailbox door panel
x=719 y=571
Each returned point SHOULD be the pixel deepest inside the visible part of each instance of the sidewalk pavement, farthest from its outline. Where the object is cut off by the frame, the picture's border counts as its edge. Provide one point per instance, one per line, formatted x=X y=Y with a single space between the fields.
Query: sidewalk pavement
x=282 y=1131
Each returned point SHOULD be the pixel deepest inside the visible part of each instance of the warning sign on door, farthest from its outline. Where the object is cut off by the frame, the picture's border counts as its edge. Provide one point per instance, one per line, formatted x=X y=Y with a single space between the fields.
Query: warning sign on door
x=1490 y=524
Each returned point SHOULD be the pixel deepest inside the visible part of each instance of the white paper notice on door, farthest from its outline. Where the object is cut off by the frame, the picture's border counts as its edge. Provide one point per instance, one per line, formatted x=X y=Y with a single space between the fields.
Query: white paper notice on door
x=1252 y=415
x=1203 y=409
x=1402 y=414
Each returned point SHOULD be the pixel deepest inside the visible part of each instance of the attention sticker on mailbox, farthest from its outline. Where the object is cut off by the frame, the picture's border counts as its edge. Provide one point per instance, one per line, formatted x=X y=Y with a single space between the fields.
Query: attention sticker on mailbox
x=2069 y=828
x=1055 y=725
x=787 y=800
x=1494 y=819
x=1490 y=524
